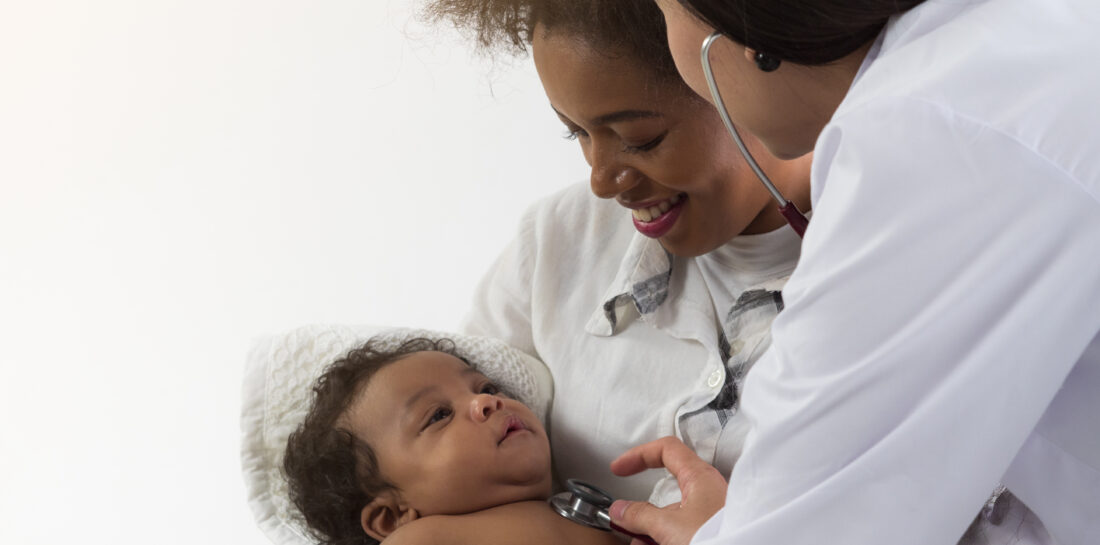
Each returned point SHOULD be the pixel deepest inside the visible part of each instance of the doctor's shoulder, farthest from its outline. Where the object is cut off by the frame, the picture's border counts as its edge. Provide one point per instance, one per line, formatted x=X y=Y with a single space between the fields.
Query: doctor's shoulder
x=520 y=523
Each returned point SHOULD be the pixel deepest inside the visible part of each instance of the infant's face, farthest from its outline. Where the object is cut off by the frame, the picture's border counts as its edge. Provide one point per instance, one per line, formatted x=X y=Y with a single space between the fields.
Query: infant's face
x=447 y=439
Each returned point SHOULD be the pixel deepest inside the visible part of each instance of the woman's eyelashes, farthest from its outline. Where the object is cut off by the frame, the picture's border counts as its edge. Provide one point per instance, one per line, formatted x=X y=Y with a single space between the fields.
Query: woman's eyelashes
x=572 y=133
x=646 y=146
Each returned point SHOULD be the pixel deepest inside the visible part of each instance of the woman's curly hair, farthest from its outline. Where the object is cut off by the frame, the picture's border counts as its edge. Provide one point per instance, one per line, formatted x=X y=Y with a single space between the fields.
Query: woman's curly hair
x=332 y=475
x=635 y=28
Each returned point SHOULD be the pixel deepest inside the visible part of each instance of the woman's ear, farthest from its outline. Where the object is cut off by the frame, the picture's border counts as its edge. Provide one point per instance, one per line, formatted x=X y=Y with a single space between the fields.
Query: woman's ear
x=385 y=514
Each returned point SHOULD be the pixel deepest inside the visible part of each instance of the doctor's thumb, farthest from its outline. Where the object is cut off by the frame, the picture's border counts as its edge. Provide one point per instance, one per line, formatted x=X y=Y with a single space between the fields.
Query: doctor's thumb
x=637 y=519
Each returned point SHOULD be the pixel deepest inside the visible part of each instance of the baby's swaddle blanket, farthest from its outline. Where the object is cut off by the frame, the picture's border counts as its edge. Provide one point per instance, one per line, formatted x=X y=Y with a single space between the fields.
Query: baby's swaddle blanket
x=279 y=376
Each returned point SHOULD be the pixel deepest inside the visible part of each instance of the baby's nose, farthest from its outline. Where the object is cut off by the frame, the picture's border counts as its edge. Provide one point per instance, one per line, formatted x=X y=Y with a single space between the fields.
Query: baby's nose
x=484 y=405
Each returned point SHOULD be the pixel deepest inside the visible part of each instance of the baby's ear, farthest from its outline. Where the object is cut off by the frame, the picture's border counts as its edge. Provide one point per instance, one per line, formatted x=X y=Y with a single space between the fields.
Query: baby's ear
x=385 y=514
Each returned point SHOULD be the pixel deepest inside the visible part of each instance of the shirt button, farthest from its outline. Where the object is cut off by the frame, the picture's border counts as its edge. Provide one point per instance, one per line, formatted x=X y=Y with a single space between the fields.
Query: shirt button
x=715 y=378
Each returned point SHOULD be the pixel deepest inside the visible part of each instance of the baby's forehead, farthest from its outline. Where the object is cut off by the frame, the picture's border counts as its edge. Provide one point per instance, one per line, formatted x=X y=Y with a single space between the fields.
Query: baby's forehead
x=436 y=360
x=394 y=388
x=420 y=370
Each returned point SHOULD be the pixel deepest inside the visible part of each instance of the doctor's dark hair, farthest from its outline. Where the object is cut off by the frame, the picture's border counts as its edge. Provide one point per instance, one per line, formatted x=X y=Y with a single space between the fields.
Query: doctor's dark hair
x=634 y=28
x=809 y=32
x=331 y=474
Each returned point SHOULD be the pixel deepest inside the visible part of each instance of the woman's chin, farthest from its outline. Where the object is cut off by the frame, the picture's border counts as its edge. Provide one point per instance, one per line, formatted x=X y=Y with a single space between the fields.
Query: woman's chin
x=679 y=247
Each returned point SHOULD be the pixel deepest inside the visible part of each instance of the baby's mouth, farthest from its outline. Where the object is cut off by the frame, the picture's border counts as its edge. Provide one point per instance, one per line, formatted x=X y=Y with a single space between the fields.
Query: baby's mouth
x=512 y=426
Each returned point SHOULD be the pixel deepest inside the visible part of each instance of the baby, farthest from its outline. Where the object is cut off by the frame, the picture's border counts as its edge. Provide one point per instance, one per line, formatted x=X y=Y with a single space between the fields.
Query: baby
x=414 y=445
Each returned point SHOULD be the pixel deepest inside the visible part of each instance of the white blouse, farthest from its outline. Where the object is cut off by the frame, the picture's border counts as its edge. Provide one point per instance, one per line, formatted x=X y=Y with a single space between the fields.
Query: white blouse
x=941 y=330
x=631 y=335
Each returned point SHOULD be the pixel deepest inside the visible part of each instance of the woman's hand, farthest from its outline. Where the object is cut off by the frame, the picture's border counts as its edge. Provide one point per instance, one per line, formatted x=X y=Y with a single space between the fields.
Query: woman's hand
x=702 y=488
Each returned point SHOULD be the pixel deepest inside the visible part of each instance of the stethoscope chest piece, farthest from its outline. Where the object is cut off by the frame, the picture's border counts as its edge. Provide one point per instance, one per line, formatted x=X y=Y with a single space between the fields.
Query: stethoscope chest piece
x=587 y=505
x=584 y=504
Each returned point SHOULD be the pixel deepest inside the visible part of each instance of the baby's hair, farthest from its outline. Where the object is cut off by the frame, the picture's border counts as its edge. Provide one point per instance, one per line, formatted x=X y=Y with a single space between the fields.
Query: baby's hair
x=634 y=28
x=332 y=474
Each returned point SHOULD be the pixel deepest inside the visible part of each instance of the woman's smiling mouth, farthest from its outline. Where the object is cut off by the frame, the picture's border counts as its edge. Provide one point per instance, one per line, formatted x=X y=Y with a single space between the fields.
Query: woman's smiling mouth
x=657 y=219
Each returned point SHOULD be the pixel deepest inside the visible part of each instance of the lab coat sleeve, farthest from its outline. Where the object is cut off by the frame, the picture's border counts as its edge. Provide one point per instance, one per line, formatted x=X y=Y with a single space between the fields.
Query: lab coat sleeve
x=947 y=286
x=501 y=306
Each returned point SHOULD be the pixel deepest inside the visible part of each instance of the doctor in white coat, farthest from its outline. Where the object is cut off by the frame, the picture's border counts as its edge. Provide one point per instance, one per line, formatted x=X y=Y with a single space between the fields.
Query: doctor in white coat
x=941 y=329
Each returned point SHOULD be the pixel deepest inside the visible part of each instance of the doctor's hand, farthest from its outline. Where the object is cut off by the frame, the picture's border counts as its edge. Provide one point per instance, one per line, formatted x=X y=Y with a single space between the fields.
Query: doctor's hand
x=702 y=488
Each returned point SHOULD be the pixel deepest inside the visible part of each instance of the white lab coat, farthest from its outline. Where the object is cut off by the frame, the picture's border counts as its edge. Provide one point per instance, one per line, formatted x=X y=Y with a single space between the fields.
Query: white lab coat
x=941 y=328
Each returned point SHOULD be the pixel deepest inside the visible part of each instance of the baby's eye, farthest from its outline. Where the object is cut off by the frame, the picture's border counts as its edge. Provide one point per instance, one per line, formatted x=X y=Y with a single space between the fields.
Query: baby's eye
x=490 y=389
x=440 y=414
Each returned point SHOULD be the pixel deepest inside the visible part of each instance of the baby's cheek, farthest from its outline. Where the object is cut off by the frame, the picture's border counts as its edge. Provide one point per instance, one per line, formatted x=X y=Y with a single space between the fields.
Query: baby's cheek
x=453 y=492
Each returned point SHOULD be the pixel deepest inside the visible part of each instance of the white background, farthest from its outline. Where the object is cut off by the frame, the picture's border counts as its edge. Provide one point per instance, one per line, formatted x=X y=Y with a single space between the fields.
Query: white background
x=178 y=177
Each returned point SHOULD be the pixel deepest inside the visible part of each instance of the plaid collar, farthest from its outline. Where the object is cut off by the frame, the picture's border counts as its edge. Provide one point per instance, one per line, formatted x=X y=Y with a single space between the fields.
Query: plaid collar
x=639 y=288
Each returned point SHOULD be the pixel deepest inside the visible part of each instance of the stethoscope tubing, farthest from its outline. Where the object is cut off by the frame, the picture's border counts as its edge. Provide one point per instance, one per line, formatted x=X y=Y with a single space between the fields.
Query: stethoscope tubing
x=787 y=208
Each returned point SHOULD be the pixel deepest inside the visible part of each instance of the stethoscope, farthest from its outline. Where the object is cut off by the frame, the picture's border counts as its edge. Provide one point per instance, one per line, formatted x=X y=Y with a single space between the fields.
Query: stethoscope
x=790 y=211
x=587 y=505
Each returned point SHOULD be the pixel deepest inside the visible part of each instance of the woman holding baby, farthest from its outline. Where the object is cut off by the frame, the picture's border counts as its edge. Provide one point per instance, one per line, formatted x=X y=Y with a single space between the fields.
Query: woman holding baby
x=913 y=361
x=939 y=336
x=649 y=292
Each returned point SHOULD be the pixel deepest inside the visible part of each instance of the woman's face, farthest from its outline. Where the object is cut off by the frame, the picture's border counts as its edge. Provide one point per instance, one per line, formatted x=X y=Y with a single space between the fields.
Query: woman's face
x=653 y=146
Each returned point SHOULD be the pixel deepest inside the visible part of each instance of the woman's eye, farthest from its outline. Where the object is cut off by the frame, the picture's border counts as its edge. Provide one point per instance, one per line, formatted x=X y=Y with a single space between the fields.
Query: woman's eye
x=646 y=146
x=572 y=134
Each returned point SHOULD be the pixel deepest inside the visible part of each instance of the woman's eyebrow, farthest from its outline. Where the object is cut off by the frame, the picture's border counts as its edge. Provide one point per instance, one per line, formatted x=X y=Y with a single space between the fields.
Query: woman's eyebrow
x=618 y=116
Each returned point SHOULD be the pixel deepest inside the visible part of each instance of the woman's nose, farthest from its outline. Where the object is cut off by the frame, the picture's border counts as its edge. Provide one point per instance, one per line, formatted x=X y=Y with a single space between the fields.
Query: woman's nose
x=610 y=177
x=483 y=406
x=610 y=182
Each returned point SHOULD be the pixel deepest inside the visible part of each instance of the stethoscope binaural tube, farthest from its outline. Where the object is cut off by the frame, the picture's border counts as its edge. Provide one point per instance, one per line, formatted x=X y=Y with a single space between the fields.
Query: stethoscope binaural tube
x=587 y=505
x=790 y=211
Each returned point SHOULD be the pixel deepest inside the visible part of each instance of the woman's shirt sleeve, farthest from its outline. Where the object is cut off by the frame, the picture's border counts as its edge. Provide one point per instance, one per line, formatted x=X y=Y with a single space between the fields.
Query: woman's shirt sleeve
x=501 y=306
x=947 y=287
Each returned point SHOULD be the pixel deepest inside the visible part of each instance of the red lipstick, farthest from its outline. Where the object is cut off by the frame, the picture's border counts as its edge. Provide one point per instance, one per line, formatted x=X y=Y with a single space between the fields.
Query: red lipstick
x=659 y=226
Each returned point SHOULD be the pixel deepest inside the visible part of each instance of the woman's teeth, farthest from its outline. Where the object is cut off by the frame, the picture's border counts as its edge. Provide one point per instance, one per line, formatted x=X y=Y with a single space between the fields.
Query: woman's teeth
x=649 y=214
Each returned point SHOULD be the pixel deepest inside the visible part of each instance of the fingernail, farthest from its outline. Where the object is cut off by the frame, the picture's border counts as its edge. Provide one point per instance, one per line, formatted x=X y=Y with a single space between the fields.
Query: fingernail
x=617 y=509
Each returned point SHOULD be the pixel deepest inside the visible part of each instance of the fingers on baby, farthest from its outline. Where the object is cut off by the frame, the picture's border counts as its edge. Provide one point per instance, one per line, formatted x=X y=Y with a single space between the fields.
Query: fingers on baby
x=667 y=452
x=703 y=491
